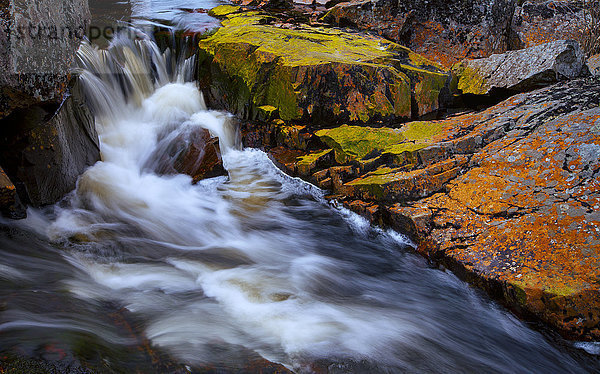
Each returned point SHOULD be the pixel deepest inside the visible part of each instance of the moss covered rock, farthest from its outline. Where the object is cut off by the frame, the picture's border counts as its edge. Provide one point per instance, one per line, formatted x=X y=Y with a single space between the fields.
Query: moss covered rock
x=355 y=143
x=313 y=74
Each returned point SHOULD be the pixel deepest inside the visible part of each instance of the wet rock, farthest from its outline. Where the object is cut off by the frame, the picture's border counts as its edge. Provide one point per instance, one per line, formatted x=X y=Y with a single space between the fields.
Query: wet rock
x=443 y=31
x=314 y=75
x=506 y=197
x=362 y=144
x=194 y=152
x=38 y=43
x=10 y=205
x=540 y=22
x=44 y=149
x=523 y=70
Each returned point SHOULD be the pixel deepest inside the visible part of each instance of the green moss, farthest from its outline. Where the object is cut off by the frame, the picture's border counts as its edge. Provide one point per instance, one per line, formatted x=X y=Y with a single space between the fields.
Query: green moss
x=470 y=81
x=355 y=142
x=223 y=10
x=422 y=130
x=284 y=68
x=311 y=158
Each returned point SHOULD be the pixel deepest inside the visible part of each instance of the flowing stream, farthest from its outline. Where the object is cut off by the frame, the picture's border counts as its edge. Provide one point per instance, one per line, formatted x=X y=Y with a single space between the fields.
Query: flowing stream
x=234 y=268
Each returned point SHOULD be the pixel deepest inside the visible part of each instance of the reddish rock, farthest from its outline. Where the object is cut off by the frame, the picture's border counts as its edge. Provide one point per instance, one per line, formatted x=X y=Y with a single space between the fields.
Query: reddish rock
x=194 y=152
x=507 y=198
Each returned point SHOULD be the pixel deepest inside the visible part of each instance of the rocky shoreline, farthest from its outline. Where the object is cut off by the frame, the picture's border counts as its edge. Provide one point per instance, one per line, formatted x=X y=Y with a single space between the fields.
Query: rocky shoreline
x=505 y=196
x=477 y=133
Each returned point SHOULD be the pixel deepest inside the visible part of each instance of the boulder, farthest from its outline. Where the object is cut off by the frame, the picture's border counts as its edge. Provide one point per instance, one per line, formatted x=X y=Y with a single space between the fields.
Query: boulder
x=443 y=31
x=10 y=205
x=523 y=70
x=314 y=75
x=38 y=43
x=194 y=152
x=44 y=149
x=540 y=22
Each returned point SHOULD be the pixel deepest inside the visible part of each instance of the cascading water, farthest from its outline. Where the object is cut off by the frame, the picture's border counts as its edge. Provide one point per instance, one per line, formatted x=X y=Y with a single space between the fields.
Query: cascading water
x=256 y=264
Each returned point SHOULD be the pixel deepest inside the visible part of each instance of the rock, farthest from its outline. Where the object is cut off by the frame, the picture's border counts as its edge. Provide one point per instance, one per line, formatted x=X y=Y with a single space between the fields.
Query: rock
x=354 y=143
x=523 y=70
x=443 y=31
x=266 y=4
x=314 y=75
x=10 y=205
x=38 y=43
x=44 y=150
x=194 y=152
x=507 y=197
x=594 y=65
x=540 y=22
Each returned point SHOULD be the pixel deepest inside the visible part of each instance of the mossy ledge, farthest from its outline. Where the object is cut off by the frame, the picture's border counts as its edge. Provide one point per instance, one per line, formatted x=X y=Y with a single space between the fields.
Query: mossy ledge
x=321 y=76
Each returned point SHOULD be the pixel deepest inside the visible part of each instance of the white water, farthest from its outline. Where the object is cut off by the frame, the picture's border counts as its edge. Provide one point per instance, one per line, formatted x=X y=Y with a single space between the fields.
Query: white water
x=256 y=263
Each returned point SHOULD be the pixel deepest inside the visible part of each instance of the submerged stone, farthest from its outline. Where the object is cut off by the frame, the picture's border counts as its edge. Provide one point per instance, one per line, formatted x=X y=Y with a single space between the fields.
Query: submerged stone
x=313 y=74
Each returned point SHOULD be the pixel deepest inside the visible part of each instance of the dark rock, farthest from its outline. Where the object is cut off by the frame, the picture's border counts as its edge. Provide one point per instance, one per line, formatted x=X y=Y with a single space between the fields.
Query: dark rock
x=38 y=43
x=45 y=149
x=10 y=205
x=523 y=70
x=443 y=31
x=194 y=152
x=539 y=22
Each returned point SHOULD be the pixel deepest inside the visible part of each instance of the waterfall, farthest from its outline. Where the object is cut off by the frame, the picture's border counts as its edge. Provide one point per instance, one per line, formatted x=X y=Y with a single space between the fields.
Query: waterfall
x=253 y=264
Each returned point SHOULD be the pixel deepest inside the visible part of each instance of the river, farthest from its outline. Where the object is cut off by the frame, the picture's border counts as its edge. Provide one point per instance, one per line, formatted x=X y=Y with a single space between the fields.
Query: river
x=135 y=271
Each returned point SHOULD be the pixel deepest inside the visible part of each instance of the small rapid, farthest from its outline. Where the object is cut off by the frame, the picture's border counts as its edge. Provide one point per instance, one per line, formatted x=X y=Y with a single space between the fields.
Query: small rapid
x=256 y=264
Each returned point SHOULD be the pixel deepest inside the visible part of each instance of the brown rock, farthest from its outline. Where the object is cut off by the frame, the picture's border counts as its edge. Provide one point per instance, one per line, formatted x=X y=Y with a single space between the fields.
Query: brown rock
x=194 y=152
x=10 y=205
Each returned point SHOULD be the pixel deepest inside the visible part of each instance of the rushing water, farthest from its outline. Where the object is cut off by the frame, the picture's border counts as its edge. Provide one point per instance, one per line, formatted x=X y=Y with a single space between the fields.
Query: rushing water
x=234 y=268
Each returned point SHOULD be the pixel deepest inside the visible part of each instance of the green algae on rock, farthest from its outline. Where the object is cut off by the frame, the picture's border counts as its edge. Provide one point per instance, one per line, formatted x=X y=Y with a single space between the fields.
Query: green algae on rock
x=314 y=74
x=355 y=143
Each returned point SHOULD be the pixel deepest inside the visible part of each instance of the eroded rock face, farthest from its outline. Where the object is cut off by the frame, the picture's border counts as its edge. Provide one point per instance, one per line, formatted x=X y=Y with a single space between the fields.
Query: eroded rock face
x=257 y=66
x=523 y=70
x=506 y=197
x=38 y=43
x=44 y=150
x=443 y=31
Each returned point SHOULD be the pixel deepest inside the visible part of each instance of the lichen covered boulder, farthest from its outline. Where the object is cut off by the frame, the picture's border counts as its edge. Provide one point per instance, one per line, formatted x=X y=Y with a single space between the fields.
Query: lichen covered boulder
x=314 y=75
x=523 y=70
